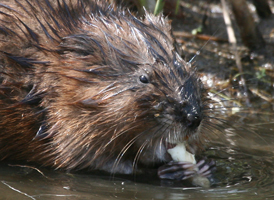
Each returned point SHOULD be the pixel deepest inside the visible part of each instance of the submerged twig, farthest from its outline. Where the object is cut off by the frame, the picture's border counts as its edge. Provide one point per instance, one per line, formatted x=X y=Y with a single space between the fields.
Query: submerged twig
x=26 y=166
x=16 y=190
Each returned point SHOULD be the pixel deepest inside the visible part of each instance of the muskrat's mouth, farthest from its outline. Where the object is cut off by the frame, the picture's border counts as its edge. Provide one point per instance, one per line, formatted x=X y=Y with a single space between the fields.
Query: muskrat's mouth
x=169 y=145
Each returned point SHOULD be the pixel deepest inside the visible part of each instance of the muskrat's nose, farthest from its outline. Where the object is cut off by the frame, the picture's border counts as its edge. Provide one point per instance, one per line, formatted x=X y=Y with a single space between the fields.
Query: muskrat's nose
x=193 y=120
x=188 y=115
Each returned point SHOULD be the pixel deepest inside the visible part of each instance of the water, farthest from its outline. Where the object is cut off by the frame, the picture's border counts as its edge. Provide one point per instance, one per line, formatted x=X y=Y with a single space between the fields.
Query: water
x=245 y=170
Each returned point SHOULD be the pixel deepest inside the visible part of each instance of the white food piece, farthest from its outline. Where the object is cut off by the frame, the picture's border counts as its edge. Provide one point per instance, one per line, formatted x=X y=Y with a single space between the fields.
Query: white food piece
x=180 y=154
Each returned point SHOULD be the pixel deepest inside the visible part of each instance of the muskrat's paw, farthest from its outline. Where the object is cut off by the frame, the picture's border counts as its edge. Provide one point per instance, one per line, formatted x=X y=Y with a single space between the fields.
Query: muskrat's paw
x=184 y=170
x=205 y=168
x=176 y=170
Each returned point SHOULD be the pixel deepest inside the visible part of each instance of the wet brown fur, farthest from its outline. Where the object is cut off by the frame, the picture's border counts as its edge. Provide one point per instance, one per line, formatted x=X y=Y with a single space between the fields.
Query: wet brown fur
x=70 y=92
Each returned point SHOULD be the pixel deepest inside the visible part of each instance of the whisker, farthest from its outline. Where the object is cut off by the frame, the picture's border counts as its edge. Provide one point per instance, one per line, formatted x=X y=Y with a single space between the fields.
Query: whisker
x=127 y=146
x=138 y=154
x=198 y=52
x=118 y=135
x=214 y=126
x=123 y=151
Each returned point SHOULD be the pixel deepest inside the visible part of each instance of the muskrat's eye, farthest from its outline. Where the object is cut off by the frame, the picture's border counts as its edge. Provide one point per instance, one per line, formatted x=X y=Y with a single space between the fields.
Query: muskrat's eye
x=143 y=79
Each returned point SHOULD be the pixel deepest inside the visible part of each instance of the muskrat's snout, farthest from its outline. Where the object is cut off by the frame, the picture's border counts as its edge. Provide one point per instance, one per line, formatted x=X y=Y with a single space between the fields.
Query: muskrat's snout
x=189 y=116
x=193 y=121
x=189 y=109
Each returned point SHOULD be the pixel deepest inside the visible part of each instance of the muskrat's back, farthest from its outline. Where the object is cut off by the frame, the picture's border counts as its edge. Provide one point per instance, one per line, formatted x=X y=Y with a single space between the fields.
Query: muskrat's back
x=90 y=86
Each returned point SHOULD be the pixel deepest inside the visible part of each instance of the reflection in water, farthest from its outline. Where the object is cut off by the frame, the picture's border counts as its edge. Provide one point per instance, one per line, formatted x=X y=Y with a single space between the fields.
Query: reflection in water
x=245 y=169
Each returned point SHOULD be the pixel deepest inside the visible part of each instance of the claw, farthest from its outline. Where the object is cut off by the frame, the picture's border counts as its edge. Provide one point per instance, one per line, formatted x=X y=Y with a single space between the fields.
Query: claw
x=176 y=170
x=206 y=168
x=185 y=170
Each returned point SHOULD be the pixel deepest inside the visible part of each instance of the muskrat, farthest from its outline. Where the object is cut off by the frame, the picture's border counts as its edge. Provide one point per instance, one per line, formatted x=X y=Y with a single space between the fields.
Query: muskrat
x=90 y=86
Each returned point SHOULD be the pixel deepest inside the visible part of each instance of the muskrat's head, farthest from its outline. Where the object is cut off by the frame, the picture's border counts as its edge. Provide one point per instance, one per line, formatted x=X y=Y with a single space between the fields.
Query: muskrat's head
x=116 y=89
x=132 y=93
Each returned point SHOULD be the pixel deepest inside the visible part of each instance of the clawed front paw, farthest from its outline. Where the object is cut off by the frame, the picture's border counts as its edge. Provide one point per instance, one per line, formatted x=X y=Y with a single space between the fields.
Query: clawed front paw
x=185 y=170
x=205 y=168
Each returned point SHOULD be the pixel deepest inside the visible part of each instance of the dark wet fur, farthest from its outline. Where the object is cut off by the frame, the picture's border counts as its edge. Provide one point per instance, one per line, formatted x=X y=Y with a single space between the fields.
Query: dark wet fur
x=91 y=86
